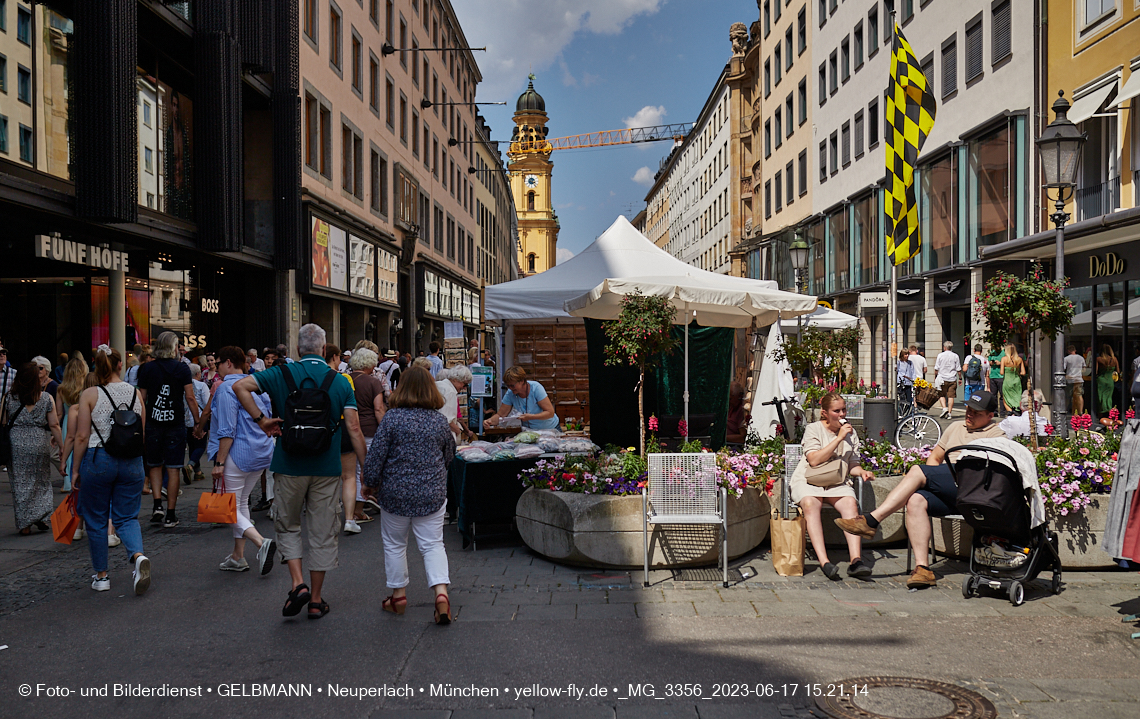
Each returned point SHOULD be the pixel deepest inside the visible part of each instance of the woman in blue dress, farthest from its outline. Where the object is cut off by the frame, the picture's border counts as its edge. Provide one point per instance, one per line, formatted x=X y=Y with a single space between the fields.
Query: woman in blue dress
x=527 y=399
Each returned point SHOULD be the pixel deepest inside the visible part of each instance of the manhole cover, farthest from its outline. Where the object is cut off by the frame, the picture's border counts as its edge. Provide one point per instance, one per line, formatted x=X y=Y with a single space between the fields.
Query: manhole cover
x=904 y=698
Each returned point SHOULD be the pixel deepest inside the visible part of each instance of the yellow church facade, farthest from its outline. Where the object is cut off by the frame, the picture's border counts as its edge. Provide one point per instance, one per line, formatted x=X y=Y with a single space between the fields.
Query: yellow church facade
x=530 y=173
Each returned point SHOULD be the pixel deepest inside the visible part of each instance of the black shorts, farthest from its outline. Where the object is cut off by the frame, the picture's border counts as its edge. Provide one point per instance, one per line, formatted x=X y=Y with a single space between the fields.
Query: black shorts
x=941 y=492
x=165 y=445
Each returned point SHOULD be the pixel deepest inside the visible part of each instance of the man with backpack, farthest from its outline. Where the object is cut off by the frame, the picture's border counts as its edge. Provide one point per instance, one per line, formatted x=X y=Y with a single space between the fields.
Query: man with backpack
x=974 y=371
x=309 y=400
x=164 y=385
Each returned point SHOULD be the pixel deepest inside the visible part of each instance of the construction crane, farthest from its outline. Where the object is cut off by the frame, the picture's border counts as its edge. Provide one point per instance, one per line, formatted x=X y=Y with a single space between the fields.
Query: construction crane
x=627 y=136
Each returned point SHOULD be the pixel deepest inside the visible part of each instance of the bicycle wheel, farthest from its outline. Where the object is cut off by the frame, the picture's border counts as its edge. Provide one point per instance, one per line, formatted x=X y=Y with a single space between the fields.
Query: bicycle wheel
x=918 y=431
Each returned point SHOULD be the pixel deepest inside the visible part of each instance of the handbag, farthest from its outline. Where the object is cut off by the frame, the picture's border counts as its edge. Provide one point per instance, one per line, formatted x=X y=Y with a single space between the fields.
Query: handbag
x=219 y=507
x=788 y=543
x=65 y=519
x=6 y=437
x=829 y=474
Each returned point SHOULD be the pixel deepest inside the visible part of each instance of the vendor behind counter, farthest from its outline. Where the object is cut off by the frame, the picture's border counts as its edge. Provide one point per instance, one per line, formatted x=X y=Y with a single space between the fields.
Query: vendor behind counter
x=528 y=399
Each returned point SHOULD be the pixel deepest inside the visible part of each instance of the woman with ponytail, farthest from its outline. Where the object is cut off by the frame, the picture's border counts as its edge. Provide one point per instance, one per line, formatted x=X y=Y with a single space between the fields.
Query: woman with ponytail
x=109 y=487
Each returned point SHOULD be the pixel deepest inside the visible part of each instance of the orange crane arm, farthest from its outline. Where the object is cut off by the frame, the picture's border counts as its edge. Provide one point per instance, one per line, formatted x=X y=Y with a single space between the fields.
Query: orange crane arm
x=626 y=136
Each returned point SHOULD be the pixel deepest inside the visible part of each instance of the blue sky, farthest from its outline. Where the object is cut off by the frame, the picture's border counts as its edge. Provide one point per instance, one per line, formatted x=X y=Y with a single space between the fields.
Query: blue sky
x=601 y=65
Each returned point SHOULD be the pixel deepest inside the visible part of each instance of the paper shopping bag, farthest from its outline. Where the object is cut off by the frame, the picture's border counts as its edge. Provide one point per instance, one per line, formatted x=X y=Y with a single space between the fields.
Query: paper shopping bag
x=788 y=544
x=65 y=519
x=220 y=507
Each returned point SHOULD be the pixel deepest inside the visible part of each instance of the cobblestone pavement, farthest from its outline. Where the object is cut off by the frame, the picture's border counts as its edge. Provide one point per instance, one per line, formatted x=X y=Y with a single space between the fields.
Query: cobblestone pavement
x=524 y=622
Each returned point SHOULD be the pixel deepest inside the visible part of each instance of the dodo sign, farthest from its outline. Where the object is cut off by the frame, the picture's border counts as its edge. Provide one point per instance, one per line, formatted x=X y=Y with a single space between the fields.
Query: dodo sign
x=1107 y=266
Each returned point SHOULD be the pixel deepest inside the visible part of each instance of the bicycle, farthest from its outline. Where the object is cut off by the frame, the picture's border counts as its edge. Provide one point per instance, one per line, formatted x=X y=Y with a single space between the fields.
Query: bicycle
x=914 y=430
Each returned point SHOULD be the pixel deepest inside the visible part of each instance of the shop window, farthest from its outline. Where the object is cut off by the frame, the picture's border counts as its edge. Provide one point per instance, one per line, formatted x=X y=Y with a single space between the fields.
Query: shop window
x=939 y=212
x=990 y=202
x=817 y=238
x=865 y=214
x=840 y=242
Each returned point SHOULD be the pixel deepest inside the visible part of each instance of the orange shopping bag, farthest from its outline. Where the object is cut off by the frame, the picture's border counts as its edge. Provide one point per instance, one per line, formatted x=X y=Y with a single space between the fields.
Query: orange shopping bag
x=220 y=507
x=65 y=519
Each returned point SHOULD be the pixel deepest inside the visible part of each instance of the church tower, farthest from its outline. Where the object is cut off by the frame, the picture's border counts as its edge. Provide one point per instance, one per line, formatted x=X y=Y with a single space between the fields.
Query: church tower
x=530 y=170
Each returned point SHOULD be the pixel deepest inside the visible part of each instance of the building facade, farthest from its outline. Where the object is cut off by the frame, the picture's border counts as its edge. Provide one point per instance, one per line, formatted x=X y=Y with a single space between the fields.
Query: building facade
x=495 y=208
x=531 y=171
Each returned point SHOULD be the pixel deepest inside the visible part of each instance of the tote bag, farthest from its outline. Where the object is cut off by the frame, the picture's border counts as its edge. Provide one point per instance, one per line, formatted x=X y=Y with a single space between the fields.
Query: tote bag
x=219 y=507
x=65 y=519
x=788 y=543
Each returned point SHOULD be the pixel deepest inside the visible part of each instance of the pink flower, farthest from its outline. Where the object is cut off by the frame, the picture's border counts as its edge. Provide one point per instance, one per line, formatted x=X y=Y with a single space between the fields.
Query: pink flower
x=1130 y=414
x=683 y=428
x=652 y=423
x=1084 y=451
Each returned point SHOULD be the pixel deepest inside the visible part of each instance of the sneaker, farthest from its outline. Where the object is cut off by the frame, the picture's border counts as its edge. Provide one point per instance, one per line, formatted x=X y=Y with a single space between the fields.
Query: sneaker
x=234 y=565
x=80 y=533
x=261 y=506
x=100 y=585
x=831 y=572
x=164 y=491
x=157 y=514
x=142 y=575
x=113 y=540
x=171 y=519
x=351 y=527
x=265 y=556
x=857 y=526
x=858 y=568
x=922 y=577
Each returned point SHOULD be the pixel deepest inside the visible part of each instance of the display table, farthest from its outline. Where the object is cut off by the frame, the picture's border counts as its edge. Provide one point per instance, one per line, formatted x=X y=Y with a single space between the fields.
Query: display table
x=484 y=492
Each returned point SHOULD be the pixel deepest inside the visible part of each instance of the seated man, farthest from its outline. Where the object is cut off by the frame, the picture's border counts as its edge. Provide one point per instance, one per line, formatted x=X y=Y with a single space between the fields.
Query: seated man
x=930 y=490
x=1018 y=425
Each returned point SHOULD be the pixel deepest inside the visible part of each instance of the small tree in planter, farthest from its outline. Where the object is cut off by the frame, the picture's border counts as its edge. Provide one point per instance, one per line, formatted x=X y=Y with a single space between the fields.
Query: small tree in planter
x=1016 y=306
x=641 y=332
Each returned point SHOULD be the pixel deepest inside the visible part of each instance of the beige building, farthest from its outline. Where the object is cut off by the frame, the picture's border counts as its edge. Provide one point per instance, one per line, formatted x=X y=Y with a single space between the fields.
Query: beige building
x=530 y=170
x=381 y=184
x=496 y=255
x=657 y=219
x=34 y=44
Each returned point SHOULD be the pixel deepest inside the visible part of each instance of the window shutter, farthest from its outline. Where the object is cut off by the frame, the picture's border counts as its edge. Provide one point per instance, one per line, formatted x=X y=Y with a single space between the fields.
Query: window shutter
x=1002 y=32
x=973 y=52
x=846 y=144
x=950 y=69
x=859 y=134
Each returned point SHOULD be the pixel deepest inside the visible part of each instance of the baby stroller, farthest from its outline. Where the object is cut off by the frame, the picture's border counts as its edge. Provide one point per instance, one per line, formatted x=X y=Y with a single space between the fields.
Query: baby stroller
x=1009 y=548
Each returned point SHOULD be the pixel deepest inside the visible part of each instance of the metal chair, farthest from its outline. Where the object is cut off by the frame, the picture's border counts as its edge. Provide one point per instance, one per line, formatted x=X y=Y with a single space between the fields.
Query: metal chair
x=683 y=489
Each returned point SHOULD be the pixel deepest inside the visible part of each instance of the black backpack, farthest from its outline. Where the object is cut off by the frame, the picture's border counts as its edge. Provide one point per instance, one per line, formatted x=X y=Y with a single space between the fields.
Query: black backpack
x=974 y=369
x=125 y=440
x=309 y=421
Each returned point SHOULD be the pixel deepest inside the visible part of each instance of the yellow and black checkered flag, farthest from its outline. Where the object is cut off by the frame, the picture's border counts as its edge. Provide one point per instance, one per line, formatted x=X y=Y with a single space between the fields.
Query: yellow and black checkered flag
x=909 y=119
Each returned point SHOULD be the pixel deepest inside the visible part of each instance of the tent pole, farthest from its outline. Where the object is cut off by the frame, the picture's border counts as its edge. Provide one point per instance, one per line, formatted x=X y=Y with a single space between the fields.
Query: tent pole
x=686 y=370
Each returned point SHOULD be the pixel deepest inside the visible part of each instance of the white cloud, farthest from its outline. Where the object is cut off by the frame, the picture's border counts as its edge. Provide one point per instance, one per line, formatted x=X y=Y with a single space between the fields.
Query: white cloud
x=647 y=116
x=518 y=42
x=563 y=254
x=643 y=176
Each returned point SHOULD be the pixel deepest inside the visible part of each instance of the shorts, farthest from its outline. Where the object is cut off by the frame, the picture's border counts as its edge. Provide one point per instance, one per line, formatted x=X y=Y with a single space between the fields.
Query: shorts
x=1076 y=389
x=949 y=389
x=165 y=445
x=940 y=492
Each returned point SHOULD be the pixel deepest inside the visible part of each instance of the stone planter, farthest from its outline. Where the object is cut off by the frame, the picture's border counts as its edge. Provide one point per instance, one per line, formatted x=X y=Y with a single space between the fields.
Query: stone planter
x=1079 y=536
x=891 y=529
x=604 y=531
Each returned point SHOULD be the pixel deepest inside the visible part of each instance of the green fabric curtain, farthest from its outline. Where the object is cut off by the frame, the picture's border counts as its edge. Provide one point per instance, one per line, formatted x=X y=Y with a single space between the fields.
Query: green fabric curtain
x=613 y=395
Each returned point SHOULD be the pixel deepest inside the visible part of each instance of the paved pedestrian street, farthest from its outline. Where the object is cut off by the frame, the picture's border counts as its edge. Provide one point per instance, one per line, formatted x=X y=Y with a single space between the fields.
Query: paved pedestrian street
x=530 y=635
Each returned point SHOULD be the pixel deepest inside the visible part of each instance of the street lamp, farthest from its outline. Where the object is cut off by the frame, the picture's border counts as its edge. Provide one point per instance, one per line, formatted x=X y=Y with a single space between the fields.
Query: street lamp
x=1060 y=150
x=799 y=252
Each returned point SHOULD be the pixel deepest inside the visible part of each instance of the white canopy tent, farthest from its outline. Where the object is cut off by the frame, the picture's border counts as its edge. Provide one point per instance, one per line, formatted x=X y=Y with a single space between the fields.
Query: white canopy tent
x=712 y=300
x=823 y=318
x=619 y=252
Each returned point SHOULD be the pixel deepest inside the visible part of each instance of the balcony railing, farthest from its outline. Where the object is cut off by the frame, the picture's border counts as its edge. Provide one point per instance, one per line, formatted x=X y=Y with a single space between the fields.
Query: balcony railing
x=1097 y=200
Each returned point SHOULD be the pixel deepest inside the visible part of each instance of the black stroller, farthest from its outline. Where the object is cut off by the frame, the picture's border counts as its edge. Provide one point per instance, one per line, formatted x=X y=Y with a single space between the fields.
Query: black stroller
x=1006 y=551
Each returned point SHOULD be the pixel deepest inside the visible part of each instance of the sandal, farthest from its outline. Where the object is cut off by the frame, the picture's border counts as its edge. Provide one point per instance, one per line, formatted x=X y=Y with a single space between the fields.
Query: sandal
x=323 y=608
x=297 y=600
x=443 y=617
x=394 y=604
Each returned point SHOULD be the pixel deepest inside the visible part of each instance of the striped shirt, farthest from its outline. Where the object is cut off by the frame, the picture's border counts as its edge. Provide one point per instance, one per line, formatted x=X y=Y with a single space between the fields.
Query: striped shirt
x=251 y=450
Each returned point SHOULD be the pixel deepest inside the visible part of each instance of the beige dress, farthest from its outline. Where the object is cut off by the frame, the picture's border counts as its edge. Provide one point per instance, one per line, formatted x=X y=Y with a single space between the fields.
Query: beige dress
x=815 y=437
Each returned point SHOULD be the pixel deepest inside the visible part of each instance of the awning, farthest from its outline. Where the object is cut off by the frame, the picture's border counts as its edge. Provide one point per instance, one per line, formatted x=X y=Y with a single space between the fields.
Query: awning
x=1088 y=105
x=1130 y=90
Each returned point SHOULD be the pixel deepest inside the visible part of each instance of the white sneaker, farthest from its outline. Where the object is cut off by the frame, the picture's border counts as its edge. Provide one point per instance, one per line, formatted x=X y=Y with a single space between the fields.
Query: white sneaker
x=142 y=575
x=351 y=527
x=265 y=556
x=234 y=565
x=80 y=533
x=100 y=585
x=113 y=540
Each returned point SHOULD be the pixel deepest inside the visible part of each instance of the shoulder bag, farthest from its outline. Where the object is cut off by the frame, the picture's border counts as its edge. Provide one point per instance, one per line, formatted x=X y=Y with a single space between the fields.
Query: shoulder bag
x=829 y=474
x=5 y=437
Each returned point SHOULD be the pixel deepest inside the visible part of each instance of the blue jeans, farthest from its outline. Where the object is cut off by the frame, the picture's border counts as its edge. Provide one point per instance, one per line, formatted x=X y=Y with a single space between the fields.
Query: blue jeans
x=110 y=487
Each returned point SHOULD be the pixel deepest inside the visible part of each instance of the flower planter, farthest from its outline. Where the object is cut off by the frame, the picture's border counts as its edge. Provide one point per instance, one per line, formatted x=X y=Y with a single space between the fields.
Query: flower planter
x=891 y=529
x=1080 y=536
x=604 y=531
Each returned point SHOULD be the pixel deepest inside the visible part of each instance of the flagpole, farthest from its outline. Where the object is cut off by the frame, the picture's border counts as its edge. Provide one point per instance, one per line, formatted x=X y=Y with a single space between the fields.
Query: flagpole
x=893 y=307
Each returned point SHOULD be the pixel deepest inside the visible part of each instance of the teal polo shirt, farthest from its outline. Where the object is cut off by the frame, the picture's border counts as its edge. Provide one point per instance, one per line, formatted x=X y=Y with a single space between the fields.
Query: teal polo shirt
x=313 y=367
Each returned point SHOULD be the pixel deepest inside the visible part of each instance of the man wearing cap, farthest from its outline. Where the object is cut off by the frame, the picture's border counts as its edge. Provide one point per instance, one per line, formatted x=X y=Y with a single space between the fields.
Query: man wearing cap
x=344 y=358
x=929 y=490
x=390 y=367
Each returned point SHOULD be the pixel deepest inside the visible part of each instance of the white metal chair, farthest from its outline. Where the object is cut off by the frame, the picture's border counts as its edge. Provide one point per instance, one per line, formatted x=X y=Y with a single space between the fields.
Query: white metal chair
x=683 y=489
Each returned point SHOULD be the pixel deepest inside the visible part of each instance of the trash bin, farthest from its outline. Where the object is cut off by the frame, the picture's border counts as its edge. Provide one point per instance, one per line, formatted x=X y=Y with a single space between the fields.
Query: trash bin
x=879 y=415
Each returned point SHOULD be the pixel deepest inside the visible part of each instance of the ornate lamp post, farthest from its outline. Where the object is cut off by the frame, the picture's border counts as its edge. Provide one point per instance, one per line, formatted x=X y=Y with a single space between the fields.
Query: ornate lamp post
x=1059 y=148
x=799 y=252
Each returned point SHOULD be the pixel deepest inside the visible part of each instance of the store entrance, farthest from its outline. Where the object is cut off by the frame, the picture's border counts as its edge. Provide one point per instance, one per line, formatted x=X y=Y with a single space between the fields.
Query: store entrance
x=1106 y=332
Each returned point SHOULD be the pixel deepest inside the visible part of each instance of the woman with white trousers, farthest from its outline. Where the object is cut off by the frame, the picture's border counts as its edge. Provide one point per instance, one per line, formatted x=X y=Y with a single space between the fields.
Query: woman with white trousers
x=406 y=468
x=240 y=451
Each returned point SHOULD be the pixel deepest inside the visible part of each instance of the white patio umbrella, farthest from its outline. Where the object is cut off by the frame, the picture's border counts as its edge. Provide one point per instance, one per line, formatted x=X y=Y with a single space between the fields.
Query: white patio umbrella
x=711 y=299
x=1114 y=319
x=823 y=318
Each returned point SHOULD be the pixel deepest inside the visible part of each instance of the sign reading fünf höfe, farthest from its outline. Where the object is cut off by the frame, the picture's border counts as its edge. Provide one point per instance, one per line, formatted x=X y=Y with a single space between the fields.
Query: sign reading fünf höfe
x=57 y=248
x=1107 y=266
